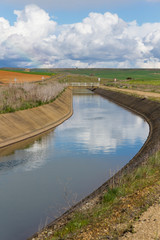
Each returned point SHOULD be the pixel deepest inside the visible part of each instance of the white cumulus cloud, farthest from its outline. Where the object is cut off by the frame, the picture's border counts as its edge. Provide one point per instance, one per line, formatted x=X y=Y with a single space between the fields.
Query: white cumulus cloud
x=100 y=40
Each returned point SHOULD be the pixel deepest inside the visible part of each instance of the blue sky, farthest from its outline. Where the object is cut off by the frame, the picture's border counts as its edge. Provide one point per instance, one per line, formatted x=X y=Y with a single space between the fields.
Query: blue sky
x=86 y=33
x=142 y=11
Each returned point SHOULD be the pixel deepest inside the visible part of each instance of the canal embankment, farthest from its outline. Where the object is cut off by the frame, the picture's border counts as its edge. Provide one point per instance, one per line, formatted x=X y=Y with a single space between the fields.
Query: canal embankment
x=147 y=109
x=127 y=177
x=21 y=125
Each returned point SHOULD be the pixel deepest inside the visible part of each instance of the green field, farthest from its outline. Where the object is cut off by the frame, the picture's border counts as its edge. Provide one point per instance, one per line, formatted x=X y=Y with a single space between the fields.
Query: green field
x=121 y=74
x=131 y=77
x=108 y=73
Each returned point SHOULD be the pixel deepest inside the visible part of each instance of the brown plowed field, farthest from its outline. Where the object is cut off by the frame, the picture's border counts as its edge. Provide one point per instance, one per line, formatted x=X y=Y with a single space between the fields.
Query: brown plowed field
x=12 y=77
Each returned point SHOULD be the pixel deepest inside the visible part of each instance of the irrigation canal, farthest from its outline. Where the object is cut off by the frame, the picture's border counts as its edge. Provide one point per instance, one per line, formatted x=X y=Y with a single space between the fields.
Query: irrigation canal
x=41 y=180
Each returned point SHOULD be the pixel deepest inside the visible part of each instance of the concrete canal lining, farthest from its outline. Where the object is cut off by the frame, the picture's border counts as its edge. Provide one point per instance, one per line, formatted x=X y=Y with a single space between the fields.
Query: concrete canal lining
x=21 y=125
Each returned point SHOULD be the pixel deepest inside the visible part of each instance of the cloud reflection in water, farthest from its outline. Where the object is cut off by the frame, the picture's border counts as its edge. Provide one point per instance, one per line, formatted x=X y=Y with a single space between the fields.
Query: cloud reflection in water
x=29 y=158
x=102 y=126
x=97 y=126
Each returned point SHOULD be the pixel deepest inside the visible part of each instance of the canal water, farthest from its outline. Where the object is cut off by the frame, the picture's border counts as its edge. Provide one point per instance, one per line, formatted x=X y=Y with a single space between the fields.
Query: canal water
x=40 y=181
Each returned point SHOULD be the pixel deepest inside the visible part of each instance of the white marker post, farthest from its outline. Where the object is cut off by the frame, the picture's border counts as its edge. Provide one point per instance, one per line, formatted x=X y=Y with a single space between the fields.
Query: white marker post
x=99 y=80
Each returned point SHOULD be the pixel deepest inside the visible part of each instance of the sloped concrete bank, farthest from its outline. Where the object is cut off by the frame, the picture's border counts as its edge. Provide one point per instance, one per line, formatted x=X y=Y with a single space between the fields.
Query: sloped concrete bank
x=148 y=110
x=21 y=125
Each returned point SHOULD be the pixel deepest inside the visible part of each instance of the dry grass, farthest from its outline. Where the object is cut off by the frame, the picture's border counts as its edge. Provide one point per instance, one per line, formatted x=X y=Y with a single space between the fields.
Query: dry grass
x=21 y=96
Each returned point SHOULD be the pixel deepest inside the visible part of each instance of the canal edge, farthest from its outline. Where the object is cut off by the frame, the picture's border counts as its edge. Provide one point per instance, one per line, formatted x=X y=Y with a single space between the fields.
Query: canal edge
x=148 y=110
x=56 y=113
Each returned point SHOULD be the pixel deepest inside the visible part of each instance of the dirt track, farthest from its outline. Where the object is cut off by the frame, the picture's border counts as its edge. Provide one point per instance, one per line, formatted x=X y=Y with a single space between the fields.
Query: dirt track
x=147 y=227
x=12 y=77
x=134 y=92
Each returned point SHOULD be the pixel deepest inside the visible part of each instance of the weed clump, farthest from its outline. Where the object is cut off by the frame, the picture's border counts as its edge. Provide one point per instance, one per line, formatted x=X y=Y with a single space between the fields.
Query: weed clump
x=111 y=194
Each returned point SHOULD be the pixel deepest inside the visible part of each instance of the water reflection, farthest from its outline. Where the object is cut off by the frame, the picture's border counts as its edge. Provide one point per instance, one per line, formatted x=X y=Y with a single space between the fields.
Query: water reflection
x=102 y=127
x=32 y=155
x=94 y=127
x=96 y=141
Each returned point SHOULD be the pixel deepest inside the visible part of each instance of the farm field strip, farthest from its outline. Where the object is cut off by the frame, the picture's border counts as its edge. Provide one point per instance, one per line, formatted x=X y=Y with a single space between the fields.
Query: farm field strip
x=12 y=77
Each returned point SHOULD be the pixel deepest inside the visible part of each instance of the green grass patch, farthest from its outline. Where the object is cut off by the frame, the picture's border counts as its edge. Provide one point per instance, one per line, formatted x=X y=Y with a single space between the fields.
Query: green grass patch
x=145 y=82
x=111 y=195
x=79 y=221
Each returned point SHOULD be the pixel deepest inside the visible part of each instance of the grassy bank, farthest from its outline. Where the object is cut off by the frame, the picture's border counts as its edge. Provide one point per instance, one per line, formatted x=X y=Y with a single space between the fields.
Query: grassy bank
x=113 y=213
x=20 y=96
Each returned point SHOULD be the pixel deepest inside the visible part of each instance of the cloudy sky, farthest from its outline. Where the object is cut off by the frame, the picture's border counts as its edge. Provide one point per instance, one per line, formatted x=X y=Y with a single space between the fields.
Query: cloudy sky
x=74 y=33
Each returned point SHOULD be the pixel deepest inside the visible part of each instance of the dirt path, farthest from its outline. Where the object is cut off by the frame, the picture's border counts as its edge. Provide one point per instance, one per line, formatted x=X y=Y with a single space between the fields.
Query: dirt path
x=147 y=227
x=135 y=92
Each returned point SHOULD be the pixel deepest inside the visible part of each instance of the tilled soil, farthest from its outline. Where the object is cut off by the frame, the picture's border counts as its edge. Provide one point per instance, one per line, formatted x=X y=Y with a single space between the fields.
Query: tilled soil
x=12 y=77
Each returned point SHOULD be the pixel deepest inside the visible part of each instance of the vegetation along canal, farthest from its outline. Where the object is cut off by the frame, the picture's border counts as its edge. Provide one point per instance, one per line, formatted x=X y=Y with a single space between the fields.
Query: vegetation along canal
x=39 y=182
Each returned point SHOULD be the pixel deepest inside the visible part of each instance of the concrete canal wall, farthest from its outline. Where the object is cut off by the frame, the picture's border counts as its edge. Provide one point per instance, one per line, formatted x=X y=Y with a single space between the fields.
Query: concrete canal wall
x=21 y=125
